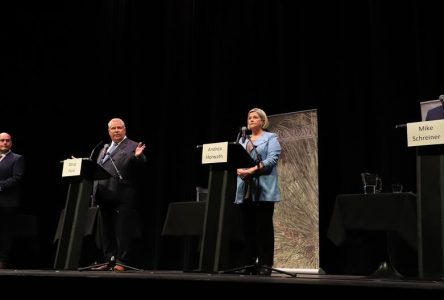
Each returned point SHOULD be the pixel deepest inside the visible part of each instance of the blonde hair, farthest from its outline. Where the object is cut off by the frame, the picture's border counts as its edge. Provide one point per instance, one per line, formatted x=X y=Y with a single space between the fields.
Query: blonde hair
x=262 y=115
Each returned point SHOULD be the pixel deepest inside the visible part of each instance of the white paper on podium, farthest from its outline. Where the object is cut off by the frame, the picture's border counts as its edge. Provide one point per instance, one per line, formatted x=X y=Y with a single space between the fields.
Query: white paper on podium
x=215 y=153
x=72 y=167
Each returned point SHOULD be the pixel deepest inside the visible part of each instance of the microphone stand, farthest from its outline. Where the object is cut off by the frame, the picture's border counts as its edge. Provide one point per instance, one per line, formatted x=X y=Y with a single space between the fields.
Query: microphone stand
x=115 y=167
x=112 y=161
x=108 y=266
x=258 y=157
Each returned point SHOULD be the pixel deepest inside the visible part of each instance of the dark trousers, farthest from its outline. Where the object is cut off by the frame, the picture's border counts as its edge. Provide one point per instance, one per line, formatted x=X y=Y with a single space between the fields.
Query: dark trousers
x=257 y=219
x=7 y=229
x=115 y=228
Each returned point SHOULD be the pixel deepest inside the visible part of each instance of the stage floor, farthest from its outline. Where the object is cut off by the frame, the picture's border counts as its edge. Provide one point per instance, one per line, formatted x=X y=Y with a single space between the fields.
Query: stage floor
x=173 y=282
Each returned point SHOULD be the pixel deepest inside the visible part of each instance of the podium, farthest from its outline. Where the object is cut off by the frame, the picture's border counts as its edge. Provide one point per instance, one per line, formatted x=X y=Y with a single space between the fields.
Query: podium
x=430 y=189
x=214 y=252
x=76 y=211
x=428 y=138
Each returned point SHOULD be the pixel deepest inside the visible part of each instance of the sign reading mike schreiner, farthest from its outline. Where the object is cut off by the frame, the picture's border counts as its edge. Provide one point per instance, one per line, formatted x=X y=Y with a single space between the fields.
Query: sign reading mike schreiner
x=425 y=133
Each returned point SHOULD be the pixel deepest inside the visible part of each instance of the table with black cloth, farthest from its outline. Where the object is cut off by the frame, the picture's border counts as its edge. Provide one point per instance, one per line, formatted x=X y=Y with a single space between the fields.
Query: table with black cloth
x=186 y=220
x=388 y=223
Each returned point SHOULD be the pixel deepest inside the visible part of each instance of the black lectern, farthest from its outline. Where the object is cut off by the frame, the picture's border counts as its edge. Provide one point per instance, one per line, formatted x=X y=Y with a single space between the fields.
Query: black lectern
x=221 y=191
x=76 y=209
x=430 y=188
x=428 y=139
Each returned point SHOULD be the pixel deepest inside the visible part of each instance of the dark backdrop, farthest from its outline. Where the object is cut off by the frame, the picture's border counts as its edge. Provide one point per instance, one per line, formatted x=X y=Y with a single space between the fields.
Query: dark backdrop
x=181 y=73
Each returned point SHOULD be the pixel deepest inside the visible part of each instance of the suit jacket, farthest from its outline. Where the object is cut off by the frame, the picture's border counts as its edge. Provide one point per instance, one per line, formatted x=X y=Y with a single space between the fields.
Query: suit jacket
x=264 y=184
x=12 y=169
x=116 y=189
x=436 y=113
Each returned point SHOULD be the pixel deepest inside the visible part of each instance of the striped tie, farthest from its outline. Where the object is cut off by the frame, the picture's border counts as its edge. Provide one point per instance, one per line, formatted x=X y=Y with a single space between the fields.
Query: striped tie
x=109 y=152
x=112 y=148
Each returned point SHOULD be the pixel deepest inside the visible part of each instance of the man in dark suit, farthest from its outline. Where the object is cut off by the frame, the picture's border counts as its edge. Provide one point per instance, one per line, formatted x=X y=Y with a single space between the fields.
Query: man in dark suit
x=12 y=168
x=116 y=196
x=436 y=113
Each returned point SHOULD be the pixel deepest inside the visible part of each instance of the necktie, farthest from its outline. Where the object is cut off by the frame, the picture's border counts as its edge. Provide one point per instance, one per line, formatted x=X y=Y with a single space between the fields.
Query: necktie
x=112 y=148
x=109 y=152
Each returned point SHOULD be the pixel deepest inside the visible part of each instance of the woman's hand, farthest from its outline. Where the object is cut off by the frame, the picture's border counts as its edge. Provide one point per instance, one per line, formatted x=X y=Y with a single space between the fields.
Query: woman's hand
x=246 y=173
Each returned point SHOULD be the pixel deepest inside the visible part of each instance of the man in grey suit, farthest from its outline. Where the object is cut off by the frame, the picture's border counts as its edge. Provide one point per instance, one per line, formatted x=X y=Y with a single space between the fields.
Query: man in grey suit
x=116 y=196
x=12 y=169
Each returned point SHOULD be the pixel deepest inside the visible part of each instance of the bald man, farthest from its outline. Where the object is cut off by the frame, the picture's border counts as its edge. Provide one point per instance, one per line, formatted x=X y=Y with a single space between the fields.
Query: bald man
x=12 y=168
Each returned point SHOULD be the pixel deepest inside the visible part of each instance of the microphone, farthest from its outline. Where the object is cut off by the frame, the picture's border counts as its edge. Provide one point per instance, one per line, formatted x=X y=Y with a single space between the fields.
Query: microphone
x=105 y=150
x=94 y=149
x=244 y=133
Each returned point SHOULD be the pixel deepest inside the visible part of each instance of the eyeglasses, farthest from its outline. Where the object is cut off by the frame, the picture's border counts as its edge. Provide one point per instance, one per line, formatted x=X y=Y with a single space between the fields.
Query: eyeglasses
x=5 y=140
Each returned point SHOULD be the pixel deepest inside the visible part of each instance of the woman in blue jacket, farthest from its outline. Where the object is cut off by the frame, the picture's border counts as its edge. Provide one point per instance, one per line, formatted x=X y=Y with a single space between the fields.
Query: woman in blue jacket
x=258 y=190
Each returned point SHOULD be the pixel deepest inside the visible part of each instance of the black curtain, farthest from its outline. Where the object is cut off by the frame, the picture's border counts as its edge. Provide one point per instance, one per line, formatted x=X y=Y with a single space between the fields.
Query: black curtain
x=183 y=73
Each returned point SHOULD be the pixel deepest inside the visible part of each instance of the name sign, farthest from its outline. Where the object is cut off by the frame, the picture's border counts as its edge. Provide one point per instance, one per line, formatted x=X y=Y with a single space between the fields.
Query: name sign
x=215 y=153
x=72 y=167
x=425 y=133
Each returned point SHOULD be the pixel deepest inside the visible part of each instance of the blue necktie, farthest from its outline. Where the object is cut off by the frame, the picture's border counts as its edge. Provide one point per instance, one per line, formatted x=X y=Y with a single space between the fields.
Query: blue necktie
x=109 y=152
